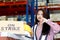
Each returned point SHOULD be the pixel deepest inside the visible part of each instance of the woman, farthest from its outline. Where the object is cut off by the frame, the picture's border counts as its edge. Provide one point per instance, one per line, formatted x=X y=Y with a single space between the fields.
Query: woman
x=44 y=29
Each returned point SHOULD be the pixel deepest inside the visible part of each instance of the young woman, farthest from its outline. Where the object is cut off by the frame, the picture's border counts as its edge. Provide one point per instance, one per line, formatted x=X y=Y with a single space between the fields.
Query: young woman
x=44 y=28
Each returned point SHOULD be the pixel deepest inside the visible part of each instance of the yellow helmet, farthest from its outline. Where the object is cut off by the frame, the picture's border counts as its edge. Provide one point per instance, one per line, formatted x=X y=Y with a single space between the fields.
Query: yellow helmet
x=27 y=28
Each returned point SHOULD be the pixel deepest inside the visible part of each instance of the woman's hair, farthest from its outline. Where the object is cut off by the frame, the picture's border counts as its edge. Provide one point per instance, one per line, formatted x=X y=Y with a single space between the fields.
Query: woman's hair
x=45 y=15
x=46 y=27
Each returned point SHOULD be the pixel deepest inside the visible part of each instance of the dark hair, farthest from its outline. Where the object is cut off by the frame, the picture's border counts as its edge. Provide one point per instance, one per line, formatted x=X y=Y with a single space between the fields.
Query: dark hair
x=46 y=27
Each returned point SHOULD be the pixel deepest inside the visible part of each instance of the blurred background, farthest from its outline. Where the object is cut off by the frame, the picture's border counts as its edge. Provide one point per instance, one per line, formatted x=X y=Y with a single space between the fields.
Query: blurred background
x=25 y=10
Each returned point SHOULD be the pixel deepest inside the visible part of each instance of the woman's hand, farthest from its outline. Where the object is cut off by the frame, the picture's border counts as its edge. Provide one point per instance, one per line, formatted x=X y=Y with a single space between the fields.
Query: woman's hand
x=45 y=20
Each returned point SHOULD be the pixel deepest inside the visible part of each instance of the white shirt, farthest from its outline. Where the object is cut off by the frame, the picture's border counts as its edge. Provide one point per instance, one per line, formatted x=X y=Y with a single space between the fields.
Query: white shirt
x=43 y=37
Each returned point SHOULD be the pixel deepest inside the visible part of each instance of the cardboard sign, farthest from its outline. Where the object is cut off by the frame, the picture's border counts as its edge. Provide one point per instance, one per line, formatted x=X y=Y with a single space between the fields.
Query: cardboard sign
x=15 y=27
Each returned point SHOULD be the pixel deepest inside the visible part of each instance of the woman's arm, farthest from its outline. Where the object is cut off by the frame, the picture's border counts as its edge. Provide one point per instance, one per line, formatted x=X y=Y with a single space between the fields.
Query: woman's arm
x=54 y=26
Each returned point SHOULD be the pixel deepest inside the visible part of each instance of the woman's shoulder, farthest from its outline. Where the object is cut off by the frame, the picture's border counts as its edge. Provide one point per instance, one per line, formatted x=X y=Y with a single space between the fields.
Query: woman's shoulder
x=34 y=26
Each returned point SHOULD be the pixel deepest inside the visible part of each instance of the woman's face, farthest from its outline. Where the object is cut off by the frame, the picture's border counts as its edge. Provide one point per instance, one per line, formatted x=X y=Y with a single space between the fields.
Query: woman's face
x=39 y=15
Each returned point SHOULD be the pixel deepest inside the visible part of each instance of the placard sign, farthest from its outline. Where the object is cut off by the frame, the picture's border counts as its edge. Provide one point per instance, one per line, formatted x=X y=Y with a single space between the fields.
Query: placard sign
x=12 y=27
